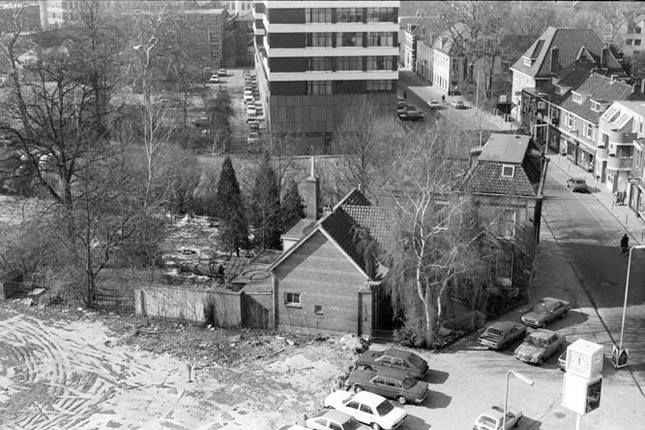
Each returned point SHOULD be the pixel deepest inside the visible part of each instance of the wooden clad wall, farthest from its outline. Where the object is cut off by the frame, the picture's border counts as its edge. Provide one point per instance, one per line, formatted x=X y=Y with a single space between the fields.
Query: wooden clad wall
x=322 y=275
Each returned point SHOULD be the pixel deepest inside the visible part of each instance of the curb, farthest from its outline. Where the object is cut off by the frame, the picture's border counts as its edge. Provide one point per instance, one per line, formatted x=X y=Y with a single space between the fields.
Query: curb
x=610 y=210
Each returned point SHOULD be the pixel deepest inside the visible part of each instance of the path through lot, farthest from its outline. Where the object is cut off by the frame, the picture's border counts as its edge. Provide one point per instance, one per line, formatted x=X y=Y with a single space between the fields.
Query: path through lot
x=72 y=375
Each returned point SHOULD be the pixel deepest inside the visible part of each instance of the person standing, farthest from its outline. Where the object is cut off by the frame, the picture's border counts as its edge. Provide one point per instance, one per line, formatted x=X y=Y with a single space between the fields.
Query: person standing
x=624 y=244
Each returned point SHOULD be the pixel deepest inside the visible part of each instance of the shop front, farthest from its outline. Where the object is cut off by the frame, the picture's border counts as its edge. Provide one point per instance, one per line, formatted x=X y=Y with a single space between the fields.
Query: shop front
x=578 y=153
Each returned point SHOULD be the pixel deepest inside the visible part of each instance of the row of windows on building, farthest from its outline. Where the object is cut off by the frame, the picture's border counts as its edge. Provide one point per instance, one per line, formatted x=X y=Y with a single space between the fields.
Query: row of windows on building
x=371 y=14
x=340 y=87
x=635 y=42
x=350 y=39
x=328 y=64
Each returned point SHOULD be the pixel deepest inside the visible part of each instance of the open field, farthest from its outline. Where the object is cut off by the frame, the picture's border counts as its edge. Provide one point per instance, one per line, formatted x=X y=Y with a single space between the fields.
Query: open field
x=72 y=372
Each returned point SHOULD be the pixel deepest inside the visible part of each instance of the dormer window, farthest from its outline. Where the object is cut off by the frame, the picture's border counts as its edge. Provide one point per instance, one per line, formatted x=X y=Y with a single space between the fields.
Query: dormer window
x=561 y=90
x=598 y=106
x=527 y=61
x=578 y=98
x=508 y=171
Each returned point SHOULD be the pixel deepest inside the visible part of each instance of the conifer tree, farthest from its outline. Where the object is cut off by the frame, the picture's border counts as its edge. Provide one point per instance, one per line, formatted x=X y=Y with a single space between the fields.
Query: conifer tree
x=234 y=229
x=265 y=213
x=292 y=207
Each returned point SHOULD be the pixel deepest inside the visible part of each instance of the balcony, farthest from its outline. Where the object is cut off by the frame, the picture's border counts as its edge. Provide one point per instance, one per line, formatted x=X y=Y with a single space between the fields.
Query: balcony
x=601 y=154
x=619 y=163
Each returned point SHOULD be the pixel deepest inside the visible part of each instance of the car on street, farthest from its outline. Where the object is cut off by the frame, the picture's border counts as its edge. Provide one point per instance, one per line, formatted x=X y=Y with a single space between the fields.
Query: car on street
x=578 y=185
x=394 y=358
x=389 y=383
x=458 y=104
x=539 y=345
x=368 y=408
x=545 y=311
x=293 y=427
x=410 y=114
x=493 y=419
x=434 y=104
x=221 y=72
x=333 y=419
x=214 y=79
x=499 y=335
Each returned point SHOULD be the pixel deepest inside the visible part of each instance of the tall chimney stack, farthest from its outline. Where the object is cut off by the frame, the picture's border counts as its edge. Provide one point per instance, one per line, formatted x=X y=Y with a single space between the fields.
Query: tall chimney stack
x=312 y=193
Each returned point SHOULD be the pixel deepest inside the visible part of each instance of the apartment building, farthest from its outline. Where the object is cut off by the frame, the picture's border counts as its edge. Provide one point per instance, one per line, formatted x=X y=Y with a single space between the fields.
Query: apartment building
x=633 y=36
x=448 y=60
x=620 y=149
x=237 y=7
x=319 y=61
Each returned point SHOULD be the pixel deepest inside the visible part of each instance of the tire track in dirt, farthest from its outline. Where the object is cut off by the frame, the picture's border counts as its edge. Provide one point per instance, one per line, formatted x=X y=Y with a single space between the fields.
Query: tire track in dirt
x=69 y=377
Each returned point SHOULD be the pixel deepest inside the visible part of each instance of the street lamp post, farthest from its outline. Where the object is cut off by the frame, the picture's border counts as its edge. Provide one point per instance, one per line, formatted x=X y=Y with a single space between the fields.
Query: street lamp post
x=629 y=265
x=518 y=375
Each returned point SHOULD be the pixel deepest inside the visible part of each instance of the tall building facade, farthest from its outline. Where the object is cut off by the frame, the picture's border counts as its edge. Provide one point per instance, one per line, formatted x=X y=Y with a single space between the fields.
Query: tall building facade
x=237 y=7
x=319 y=62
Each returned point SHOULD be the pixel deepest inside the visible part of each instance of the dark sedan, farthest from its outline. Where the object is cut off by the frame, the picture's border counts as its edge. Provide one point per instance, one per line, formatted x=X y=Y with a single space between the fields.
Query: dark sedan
x=397 y=359
x=499 y=335
x=392 y=384
x=545 y=311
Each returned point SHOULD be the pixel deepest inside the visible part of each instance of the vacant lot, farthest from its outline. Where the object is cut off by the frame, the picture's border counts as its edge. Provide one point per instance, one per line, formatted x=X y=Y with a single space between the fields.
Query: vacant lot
x=68 y=370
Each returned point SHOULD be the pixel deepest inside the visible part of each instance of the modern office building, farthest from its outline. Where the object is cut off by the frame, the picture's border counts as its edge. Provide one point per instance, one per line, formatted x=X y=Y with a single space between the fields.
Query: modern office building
x=320 y=61
x=237 y=7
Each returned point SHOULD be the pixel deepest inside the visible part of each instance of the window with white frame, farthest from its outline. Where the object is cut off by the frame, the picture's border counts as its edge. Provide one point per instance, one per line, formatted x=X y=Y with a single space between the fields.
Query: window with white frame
x=578 y=98
x=528 y=62
x=568 y=120
x=504 y=265
x=589 y=131
x=508 y=170
x=292 y=299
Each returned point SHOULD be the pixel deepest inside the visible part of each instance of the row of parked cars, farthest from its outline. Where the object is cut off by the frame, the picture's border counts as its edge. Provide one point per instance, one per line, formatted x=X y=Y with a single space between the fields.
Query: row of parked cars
x=254 y=110
x=398 y=375
x=407 y=112
x=377 y=376
x=538 y=345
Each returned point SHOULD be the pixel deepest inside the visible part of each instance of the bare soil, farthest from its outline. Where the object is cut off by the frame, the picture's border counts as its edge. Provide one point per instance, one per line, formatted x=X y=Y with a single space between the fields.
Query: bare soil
x=74 y=369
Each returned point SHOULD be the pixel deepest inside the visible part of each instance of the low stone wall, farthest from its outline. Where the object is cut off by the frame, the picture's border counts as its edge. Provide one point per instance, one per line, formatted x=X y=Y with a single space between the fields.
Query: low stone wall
x=217 y=306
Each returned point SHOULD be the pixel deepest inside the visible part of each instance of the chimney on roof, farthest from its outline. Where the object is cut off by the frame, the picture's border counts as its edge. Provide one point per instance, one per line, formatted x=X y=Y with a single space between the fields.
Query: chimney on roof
x=312 y=193
x=604 y=56
x=555 y=60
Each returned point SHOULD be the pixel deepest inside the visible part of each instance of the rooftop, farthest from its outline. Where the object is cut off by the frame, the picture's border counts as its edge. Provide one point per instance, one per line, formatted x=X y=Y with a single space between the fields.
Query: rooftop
x=505 y=148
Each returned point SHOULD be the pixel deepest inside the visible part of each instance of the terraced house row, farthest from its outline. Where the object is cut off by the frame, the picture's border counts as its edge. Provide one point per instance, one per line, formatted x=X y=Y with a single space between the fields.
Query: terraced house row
x=575 y=96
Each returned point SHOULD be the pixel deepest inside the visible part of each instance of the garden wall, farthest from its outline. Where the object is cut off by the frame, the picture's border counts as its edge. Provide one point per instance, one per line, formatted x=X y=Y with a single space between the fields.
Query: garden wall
x=217 y=306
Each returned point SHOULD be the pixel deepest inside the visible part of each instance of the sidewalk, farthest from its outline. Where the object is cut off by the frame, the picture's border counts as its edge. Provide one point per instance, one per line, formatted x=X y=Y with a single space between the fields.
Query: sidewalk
x=633 y=225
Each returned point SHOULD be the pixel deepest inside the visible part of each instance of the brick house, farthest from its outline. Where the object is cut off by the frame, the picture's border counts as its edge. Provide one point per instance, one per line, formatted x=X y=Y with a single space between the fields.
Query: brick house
x=323 y=280
x=507 y=180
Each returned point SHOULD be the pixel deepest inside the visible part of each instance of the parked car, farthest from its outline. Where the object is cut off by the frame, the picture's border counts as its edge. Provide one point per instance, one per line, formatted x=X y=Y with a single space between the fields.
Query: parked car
x=333 y=419
x=578 y=185
x=214 y=79
x=493 y=419
x=545 y=311
x=458 y=104
x=389 y=383
x=499 y=335
x=434 y=104
x=293 y=427
x=221 y=72
x=394 y=358
x=539 y=345
x=562 y=361
x=368 y=408
x=410 y=114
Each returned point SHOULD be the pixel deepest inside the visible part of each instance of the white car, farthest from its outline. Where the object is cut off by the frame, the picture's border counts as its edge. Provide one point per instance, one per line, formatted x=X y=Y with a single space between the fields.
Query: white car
x=293 y=427
x=434 y=104
x=368 y=408
x=492 y=419
x=214 y=79
x=332 y=419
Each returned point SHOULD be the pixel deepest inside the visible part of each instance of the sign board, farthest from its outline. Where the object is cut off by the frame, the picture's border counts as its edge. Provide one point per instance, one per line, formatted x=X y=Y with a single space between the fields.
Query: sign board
x=581 y=395
x=585 y=359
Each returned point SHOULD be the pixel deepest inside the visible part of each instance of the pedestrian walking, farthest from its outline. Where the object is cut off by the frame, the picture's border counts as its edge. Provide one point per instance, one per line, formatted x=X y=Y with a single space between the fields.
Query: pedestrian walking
x=405 y=95
x=624 y=244
x=443 y=98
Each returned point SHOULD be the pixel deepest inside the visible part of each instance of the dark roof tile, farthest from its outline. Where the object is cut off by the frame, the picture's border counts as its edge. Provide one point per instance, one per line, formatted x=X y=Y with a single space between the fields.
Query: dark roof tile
x=486 y=177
